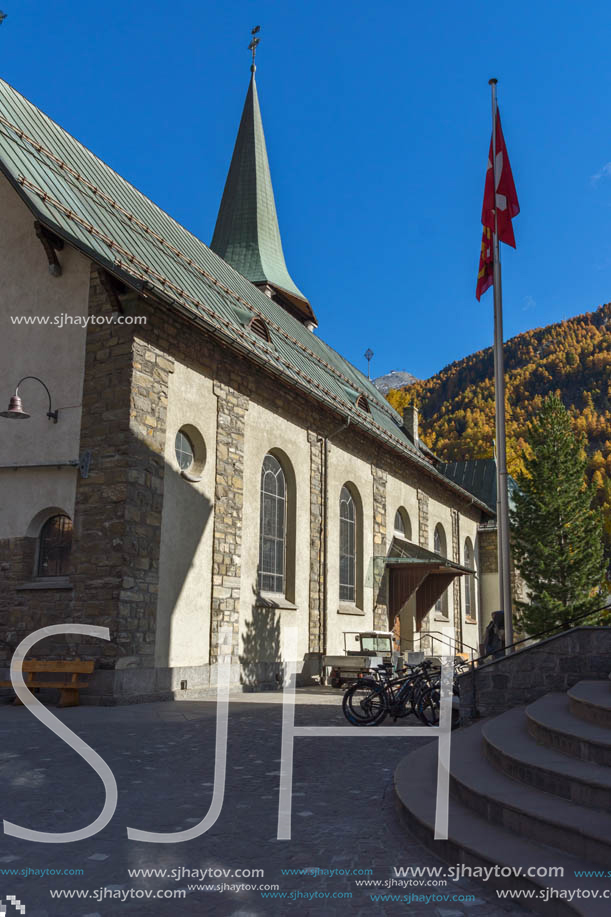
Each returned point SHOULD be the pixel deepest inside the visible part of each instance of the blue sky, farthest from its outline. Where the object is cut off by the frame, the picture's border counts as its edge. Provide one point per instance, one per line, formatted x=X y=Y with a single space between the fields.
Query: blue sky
x=377 y=119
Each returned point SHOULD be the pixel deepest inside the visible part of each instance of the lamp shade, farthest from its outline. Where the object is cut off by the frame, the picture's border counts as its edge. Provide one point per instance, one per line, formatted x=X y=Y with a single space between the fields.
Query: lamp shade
x=15 y=409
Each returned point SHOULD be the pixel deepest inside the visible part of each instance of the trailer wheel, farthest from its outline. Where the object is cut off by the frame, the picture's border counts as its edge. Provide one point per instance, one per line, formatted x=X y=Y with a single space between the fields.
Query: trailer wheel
x=336 y=682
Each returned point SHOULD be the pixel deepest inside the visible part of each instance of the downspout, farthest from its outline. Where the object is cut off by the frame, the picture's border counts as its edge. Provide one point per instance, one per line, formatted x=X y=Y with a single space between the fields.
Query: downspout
x=324 y=441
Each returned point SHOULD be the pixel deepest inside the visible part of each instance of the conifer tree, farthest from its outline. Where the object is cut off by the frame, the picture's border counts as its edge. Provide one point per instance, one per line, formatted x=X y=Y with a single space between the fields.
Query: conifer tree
x=557 y=537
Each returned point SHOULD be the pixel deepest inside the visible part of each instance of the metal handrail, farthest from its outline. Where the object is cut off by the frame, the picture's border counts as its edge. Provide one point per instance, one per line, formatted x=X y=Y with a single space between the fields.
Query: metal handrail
x=567 y=625
x=449 y=641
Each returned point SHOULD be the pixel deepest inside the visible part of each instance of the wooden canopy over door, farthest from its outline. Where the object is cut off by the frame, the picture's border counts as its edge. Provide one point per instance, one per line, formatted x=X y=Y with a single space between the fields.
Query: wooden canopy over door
x=428 y=580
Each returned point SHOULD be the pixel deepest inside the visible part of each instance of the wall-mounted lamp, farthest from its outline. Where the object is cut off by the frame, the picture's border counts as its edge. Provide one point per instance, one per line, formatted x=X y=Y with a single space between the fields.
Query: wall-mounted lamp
x=15 y=409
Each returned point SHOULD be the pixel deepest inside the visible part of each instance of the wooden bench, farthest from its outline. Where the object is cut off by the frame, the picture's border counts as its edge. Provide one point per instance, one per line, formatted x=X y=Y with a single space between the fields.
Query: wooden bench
x=69 y=686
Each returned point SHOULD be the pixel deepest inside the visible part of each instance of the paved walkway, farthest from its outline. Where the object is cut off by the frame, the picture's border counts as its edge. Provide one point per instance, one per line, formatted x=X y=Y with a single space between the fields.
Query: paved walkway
x=162 y=755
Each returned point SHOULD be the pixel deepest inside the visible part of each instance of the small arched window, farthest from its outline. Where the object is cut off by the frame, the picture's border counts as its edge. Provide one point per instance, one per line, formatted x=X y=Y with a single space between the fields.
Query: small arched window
x=362 y=404
x=54 y=546
x=470 y=593
x=272 y=534
x=402 y=524
x=259 y=327
x=440 y=547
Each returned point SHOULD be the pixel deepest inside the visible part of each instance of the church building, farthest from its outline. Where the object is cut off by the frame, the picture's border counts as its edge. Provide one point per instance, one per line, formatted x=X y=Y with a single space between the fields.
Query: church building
x=190 y=455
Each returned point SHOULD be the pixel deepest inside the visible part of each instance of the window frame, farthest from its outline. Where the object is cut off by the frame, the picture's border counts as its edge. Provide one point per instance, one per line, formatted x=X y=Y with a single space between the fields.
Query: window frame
x=65 y=549
x=470 y=582
x=441 y=607
x=181 y=451
x=346 y=497
x=406 y=533
x=268 y=587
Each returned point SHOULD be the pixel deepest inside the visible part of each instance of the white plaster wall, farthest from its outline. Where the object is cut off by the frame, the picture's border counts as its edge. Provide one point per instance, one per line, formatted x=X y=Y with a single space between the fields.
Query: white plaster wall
x=440 y=513
x=400 y=494
x=265 y=432
x=490 y=598
x=185 y=563
x=56 y=355
x=471 y=632
x=344 y=467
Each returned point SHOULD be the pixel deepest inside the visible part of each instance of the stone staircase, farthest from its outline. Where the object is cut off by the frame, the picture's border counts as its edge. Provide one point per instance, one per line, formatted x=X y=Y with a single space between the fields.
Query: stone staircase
x=528 y=788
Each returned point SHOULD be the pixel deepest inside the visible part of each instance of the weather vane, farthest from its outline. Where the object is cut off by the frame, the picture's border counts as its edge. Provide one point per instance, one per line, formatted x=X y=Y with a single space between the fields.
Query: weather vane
x=254 y=41
x=368 y=356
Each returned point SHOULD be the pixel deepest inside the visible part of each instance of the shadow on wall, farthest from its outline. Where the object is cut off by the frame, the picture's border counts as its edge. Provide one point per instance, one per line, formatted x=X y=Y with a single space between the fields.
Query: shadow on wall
x=186 y=514
x=260 y=658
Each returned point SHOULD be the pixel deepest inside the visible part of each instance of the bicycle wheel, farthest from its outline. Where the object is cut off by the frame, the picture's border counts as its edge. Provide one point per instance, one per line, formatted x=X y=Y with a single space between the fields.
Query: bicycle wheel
x=364 y=703
x=427 y=706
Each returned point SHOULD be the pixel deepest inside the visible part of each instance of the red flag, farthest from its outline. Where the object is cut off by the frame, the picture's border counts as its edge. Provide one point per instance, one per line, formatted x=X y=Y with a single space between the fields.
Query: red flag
x=507 y=206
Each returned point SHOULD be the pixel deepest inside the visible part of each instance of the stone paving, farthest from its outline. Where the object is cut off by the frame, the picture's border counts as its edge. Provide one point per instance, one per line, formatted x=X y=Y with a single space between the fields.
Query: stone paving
x=162 y=755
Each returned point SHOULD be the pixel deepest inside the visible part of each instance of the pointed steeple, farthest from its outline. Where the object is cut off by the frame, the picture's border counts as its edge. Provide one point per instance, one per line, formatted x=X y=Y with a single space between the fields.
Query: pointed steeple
x=247 y=234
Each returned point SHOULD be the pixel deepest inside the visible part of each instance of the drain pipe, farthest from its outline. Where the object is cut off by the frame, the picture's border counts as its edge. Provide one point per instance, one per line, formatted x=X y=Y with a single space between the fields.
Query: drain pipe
x=324 y=441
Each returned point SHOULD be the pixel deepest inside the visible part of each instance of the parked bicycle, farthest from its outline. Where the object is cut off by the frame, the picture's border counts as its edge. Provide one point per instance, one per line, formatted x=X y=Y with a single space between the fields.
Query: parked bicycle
x=414 y=690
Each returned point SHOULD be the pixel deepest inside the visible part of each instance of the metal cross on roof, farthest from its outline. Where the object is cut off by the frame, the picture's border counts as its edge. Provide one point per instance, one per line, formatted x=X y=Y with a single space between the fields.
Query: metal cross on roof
x=253 y=45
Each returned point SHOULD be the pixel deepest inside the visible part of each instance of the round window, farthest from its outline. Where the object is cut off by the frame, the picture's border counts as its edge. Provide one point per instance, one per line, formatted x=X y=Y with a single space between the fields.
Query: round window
x=190 y=451
x=184 y=451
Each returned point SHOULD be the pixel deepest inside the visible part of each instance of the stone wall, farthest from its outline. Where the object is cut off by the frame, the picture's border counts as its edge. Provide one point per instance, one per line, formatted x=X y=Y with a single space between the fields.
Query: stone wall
x=554 y=664
x=423 y=519
x=317 y=572
x=227 y=538
x=115 y=555
x=380 y=576
x=25 y=607
x=488 y=550
x=457 y=584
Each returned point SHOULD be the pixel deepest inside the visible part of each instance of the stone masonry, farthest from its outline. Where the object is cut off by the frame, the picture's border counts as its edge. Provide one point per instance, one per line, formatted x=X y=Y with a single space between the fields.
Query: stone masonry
x=555 y=664
x=115 y=554
x=317 y=576
x=227 y=539
x=423 y=519
x=456 y=585
x=380 y=578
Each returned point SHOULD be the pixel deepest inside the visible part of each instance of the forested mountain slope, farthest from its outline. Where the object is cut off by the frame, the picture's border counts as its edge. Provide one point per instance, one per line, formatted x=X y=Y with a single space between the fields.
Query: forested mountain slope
x=572 y=358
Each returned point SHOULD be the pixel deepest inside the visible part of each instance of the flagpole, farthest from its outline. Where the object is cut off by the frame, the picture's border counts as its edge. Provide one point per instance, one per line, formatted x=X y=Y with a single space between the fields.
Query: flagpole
x=499 y=388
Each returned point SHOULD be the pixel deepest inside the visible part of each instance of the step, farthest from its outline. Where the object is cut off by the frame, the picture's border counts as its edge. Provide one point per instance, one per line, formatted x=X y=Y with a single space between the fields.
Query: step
x=591 y=701
x=510 y=748
x=531 y=813
x=551 y=723
x=476 y=843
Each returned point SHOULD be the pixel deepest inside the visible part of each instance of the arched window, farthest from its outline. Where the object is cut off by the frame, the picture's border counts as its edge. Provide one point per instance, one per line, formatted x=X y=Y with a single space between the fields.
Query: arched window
x=272 y=534
x=402 y=524
x=470 y=593
x=440 y=547
x=347 y=547
x=54 y=546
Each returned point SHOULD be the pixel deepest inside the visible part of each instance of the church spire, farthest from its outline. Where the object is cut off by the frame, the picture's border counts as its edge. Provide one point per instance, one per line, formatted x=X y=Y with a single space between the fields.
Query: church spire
x=247 y=234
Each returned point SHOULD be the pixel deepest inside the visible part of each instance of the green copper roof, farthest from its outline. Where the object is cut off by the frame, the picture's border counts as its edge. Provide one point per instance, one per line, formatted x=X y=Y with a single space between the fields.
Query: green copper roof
x=478 y=476
x=247 y=233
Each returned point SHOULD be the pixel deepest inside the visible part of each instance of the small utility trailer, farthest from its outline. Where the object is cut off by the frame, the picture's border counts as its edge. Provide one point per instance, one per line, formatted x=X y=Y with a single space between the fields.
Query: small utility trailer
x=363 y=650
